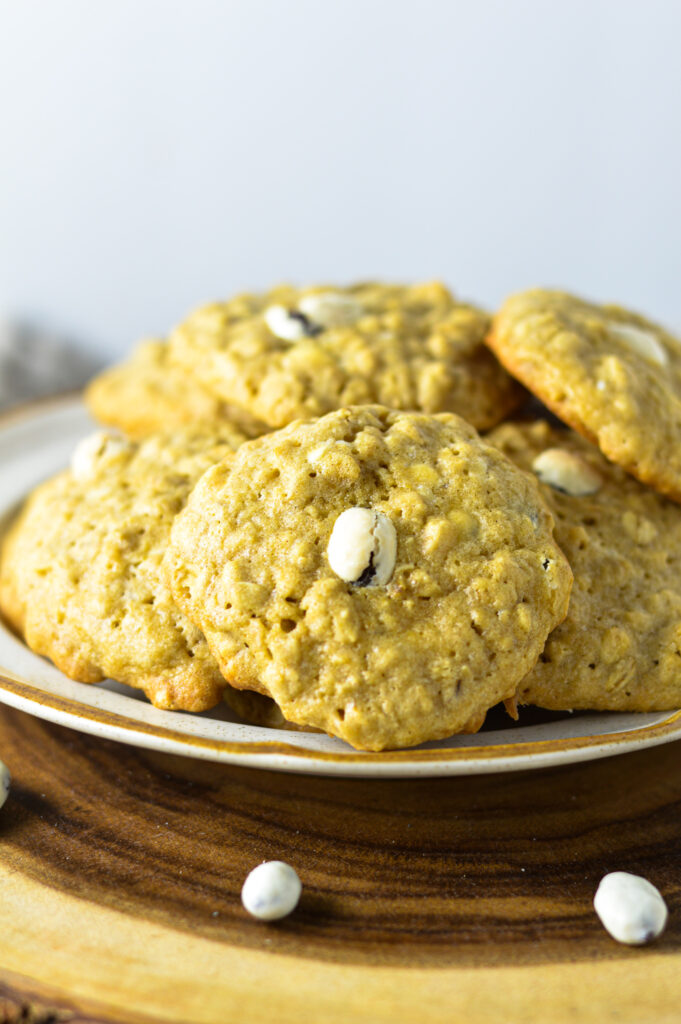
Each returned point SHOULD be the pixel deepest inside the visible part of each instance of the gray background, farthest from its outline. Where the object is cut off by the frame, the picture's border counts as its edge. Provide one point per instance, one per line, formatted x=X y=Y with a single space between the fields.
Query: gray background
x=158 y=154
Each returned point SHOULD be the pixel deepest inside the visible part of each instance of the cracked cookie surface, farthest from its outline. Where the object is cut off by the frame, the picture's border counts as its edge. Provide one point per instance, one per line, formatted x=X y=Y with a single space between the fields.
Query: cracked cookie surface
x=299 y=353
x=619 y=648
x=80 y=573
x=611 y=374
x=476 y=585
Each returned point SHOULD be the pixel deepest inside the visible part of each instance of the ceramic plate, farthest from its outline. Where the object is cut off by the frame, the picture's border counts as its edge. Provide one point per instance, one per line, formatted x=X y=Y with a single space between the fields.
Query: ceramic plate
x=34 y=444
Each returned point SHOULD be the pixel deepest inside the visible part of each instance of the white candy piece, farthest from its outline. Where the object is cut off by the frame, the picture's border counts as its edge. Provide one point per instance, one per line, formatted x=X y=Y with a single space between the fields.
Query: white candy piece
x=331 y=309
x=643 y=342
x=363 y=541
x=284 y=324
x=92 y=450
x=567 y=472
x=271 y=891
x=630 y=908
x=5 y=779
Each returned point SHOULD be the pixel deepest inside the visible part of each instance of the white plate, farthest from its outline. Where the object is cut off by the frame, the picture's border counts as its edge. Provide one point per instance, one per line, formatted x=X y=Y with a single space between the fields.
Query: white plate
x=34 y=444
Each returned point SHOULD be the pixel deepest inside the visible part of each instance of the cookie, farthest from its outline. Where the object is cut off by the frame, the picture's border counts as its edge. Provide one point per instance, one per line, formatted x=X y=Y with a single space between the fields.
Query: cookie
x=612 y=375
x=384 y=576
x=262 y=711
x=619 y=649
x=255 y=709
x=294 y=354
x=148 y=394
x=80 y=573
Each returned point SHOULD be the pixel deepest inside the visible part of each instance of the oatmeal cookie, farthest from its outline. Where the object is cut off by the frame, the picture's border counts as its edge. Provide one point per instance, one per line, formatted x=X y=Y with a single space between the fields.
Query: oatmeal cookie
x=148 y=394
x=619 y=649
x=611 y=374
x=294 y=353
x=80 y=573
x=384 y=576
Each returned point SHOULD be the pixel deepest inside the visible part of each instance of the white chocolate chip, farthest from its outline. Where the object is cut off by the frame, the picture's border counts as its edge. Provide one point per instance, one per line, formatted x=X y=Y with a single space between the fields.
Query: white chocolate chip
x=630 y=908
x=271 y=890
x=331 y=309
x=363 y=547
x=567 y=472
x=5 y=780
x=641 y=341
x=95 y=449
x=289 y=324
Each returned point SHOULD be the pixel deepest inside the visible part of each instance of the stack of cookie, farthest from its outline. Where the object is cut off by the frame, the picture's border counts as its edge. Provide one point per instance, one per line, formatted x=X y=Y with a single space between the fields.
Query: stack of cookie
x=297 y=513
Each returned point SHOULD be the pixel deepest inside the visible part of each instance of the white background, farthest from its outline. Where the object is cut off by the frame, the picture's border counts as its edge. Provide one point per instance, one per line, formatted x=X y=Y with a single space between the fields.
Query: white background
x=158 y=154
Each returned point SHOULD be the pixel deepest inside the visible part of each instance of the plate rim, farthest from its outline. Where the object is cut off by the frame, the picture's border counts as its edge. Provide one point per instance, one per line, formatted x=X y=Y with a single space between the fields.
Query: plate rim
x=62 y=707
x=276 y=754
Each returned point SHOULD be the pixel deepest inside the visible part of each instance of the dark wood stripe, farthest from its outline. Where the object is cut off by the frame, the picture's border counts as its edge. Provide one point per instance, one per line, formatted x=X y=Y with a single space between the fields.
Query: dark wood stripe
x=496 y=869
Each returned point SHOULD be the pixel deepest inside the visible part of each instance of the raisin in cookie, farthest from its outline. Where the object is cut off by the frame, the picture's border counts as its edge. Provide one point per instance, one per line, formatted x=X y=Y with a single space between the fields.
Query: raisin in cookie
x=610 y=374
x=619 y=649
x=386 y=577
x=80 y=574
x=148 y=394
x=294 y=354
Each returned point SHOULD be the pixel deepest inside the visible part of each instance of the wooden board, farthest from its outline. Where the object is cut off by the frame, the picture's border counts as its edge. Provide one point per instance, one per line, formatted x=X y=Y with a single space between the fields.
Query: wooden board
x=436 y=900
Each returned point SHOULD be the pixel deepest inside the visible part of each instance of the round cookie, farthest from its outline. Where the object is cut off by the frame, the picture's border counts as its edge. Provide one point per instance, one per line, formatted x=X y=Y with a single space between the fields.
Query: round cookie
x=148 y=394
x=619 y=648
x=400 y=622
x=80 y=573
x=612 y=375
x=294 y=354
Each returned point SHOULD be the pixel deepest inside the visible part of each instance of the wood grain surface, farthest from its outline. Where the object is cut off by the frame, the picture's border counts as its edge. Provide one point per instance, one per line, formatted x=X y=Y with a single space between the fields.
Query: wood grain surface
x=430 y=900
